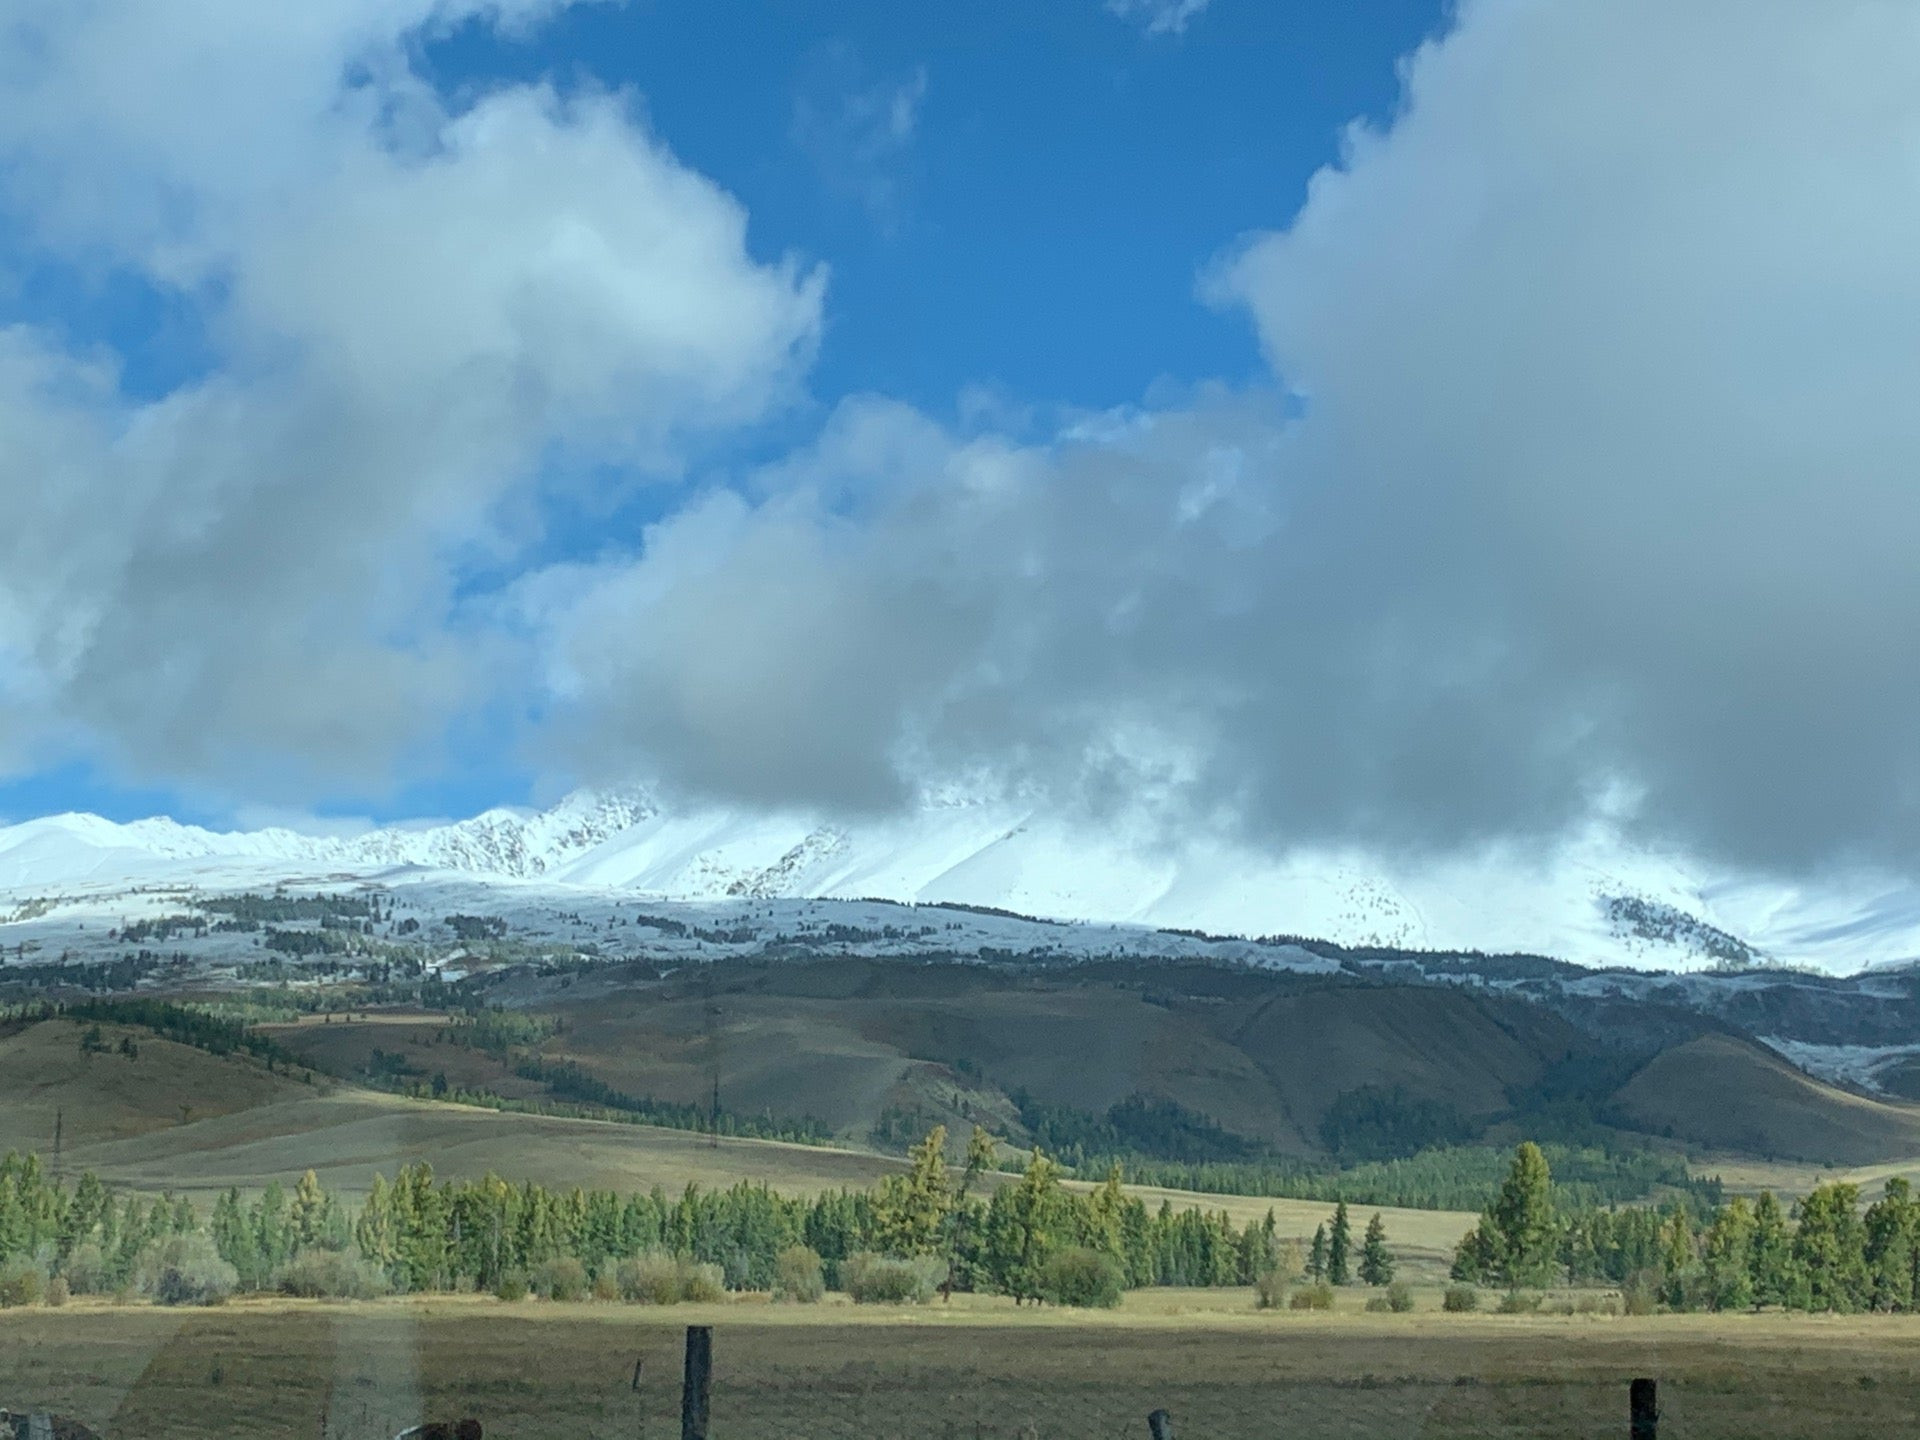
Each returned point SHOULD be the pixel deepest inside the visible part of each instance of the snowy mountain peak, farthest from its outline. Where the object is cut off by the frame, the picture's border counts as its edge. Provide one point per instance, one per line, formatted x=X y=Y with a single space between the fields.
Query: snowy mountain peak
x=1598 y=901
x=506 y=843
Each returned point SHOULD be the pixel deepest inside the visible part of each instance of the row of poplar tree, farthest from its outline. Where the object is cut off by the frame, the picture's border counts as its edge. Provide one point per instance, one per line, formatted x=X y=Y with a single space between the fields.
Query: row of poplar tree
x=1826 y=1253
x=426 y=1234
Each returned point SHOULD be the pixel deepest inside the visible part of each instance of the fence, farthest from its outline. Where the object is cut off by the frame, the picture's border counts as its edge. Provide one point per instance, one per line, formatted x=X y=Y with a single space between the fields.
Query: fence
x=696 y=1398
x=785 y=1375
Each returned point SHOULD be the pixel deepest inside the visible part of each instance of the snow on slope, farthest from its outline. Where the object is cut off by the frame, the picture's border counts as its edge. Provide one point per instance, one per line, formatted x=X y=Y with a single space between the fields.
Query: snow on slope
x=1594 y=901
x=70 y=849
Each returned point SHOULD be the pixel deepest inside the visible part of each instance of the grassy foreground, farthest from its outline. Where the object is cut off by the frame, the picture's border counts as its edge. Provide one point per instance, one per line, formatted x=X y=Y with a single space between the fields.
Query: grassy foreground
x=980 y=1369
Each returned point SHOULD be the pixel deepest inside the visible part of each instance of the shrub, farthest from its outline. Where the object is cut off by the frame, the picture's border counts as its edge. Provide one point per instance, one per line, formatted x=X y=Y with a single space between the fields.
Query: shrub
x=1377 y=1305
x=1276 y=1273
x=1638 y=1299
x=512 y=1286
x=1317 y=1296
x=1270 y=1290
x=657 y=1278
x=702 y=1284
x=1459 y=1299
x=331 y=1275
x=881 y=1280
x=1519 y=1302
x=22 y=1282
x=185 y=1270
x=606 y=1285
x=797 y=1276
x=1077 y=1276
x=57 y=1290
x=649 y=1279
x=1400 y=1297
x=564 y=1278
x=86 y=1271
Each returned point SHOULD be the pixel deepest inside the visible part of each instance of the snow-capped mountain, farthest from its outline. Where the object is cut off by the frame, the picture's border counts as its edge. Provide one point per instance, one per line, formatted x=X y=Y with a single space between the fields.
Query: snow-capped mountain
x=1595 y=901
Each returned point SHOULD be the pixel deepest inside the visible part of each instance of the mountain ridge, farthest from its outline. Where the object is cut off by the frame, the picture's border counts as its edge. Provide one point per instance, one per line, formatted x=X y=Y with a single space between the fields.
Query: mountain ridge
x=1595 y=901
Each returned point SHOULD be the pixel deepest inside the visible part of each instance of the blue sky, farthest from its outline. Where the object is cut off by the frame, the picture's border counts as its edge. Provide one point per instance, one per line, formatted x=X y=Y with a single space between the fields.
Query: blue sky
x=415 y=405
x=1014 y=204
x=1066 y=178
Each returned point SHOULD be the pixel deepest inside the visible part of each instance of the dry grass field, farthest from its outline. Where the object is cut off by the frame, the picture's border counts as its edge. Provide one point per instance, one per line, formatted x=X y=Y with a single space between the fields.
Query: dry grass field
x=978 y=1370
x=107 y=1095
x=177 y=1119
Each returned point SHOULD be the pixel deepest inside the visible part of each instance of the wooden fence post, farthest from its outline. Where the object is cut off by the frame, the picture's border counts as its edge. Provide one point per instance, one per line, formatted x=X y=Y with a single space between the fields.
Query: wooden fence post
x=696 y=1389
x=1645 y=1409
x=1160 y=1425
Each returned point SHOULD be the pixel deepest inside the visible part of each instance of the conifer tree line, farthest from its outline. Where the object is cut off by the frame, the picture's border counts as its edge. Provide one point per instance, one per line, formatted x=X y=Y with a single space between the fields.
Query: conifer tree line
x=1826 y=1253
x=1031 y=1238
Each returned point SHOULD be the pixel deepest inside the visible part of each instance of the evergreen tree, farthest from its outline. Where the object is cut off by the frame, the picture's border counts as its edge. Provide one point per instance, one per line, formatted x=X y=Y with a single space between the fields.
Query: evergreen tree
x=980 y=1159
x=1340 y=1247
x=1830 y=1248
x=1579 y=1252
x=1317 y=1254
x=910 y=1211
x=1728 y=1257
x=1021 y=1220
x=373 y=1231
x=1680 y=1278
x=1770 y=1259
x=1477 y=1257
x=1891 y=1252
x=84 y=1210
x=1521 y=1220
x=308 y=1215
x=234 y=1238
x=1376 y=1261
x=1260 y=1248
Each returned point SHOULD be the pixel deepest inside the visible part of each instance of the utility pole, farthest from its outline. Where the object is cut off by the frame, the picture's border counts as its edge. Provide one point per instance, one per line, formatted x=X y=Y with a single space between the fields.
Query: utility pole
x=710 y=1019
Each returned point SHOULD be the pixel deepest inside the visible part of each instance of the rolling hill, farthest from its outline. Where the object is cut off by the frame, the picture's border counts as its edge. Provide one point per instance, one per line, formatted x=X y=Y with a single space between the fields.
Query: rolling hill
x=877 y=1052
x=95 y=1095
x=1727 y=1094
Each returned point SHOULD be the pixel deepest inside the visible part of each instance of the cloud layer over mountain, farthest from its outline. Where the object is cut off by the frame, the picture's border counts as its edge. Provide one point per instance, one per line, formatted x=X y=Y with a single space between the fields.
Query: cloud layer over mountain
x=1597 y=495
x=1583 y=483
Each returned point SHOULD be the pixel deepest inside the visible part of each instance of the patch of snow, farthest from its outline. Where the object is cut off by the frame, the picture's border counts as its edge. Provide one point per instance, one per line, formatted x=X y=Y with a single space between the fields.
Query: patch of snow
x=1564 y=902
x=1856 y=1065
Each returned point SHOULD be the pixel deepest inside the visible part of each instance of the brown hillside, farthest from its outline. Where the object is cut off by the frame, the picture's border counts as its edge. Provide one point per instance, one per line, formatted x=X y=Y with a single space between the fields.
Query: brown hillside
x=110 y=1096
x=1439 y=1044
x=1733 y=1095
x=880 y=1052
x=852 y=1044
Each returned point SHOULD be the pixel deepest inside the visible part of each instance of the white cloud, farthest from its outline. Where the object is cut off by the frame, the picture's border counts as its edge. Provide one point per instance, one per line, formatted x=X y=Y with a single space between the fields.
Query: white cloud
x=251 y=583
x=1587 y=472
x=858 y=132
x=1158 y=17
x=1601 y=483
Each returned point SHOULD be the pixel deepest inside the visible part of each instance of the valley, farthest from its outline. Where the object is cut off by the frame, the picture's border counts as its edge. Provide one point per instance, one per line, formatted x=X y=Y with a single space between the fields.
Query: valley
x=214 y=1044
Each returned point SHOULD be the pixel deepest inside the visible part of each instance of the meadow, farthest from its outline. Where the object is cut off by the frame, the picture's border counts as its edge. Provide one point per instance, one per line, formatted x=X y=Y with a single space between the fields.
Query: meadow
x=976 y=1369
